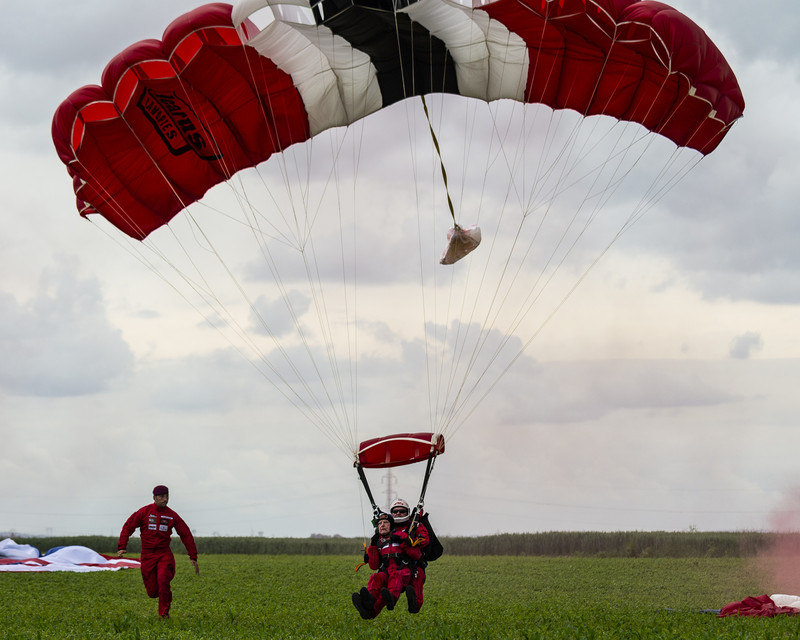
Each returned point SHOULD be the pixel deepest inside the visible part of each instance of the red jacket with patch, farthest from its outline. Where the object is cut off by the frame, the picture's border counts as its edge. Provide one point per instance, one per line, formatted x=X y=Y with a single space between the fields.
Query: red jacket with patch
x=155 y=526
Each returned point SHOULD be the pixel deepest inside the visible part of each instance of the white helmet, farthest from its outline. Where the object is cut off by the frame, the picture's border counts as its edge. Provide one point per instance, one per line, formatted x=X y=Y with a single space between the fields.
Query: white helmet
x=400 y=518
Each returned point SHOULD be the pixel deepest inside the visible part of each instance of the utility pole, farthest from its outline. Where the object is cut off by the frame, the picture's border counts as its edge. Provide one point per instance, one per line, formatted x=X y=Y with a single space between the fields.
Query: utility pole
x=389 y=478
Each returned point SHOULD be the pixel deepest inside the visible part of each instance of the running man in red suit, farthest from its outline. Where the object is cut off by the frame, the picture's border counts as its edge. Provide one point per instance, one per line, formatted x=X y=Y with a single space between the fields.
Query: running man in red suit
x=156 y=522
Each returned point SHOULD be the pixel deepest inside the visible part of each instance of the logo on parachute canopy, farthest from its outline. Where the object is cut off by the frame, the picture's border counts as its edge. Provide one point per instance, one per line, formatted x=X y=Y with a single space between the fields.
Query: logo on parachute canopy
x=177 y=124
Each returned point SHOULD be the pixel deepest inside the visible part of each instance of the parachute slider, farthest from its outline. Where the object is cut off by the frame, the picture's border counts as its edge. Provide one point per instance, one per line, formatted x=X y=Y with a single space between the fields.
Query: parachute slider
x=460 y=242
x=399 y=449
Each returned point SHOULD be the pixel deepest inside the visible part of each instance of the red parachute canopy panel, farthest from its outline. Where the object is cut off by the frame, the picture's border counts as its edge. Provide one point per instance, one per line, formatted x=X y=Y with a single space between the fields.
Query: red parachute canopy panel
x=399 y=449
x=635 y=60
x=173 y=118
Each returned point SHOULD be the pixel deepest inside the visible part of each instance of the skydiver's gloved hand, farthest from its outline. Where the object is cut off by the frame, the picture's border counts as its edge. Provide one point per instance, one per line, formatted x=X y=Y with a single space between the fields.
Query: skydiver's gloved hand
x=374 y=540
x=399 y=536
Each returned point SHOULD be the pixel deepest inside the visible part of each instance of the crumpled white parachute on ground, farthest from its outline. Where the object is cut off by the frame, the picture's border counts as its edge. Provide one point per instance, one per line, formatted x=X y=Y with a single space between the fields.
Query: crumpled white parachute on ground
x=26 y=558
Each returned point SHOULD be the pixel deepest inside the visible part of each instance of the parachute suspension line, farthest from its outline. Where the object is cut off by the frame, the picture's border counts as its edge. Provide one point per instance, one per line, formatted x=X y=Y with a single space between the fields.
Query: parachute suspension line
x=422 y=261
x=352 y=336
x=206 y=292
x=443 y=383
x=351 y=321
x=347 y=422
x=527 y=305
x=455 y=390
x=498 y=299
x=302 y=226
x=463 y=329
x=316 y=280
x=436 y=333
x=455 y=384
x=208 y=298
x=450 y=387
x=523 y=311
x=659 y=186
x=302 y=229
x=411 y=122
x=498 y=304
x=493 y=383
x=447 y=386
x=294 y=399
x=235 y=325
x=304 y=243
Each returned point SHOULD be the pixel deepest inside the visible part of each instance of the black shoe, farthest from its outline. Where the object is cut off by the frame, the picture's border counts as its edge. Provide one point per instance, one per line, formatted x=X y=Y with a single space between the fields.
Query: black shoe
x=359 y=605
x=411 y=597
x=367 y=598
x=388 y=598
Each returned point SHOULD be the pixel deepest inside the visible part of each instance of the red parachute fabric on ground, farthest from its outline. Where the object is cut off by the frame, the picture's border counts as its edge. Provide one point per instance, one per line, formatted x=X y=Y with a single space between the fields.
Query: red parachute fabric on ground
x=756 y=606
x=399 y=449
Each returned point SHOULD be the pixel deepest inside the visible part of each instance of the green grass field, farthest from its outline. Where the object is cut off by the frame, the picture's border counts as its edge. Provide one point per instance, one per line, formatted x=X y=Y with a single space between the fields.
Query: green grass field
x=252 y=596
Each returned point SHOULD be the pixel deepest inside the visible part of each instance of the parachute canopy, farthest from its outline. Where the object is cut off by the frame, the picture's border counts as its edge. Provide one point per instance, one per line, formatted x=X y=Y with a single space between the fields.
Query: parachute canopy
x=174 y=117
x=399 y=449
x=546 y=109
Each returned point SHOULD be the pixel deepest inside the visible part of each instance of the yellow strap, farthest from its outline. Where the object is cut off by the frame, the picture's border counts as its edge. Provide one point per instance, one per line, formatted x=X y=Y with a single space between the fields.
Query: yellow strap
x=361 y=564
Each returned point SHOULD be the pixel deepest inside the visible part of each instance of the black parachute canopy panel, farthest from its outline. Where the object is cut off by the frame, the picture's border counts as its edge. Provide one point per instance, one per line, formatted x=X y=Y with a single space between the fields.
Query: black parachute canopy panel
x=409 y=60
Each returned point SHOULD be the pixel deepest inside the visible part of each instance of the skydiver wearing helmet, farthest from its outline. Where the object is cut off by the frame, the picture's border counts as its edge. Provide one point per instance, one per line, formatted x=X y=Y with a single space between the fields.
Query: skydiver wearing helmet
x=391 y=554
x=418 y=534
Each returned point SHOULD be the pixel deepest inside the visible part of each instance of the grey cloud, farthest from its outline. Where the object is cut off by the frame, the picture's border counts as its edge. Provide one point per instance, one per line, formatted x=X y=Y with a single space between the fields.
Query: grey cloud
x=279 y=317
x=78 y=38
x=198 y=384
x=743 y=346
x=739 y=27
x=737 y=239
x=60 y=343
x=584 y=391
x=387 y=252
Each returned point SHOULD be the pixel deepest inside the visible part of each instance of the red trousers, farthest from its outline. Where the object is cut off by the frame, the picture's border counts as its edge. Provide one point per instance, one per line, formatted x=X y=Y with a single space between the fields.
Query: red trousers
x=158 y=570
x=396 y=580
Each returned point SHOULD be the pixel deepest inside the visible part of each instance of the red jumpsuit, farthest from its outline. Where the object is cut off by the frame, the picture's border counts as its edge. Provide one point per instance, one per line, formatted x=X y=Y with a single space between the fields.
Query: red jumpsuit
x=158 y=564
x=397 y=566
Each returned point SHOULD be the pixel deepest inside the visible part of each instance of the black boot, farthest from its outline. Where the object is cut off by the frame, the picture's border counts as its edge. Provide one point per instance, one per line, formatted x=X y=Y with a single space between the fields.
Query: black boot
x=367 y=598
x=411 y=597
x=359 y=605
x=388 y=598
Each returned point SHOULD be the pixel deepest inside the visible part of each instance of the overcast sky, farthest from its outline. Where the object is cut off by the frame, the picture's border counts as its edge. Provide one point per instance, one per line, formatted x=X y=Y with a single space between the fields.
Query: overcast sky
x=662 y=396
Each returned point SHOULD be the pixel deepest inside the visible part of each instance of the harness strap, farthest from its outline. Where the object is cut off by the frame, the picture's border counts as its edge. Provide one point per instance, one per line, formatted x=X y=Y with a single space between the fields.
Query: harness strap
x=364 y=482
x=421 y=502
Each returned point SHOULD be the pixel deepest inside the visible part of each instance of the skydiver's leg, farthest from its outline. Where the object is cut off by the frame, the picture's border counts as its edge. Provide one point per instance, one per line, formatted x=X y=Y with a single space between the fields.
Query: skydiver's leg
x=398 y=579
x=414 y=590
x=149 y=568
x=166 y=572
x=377 y=581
